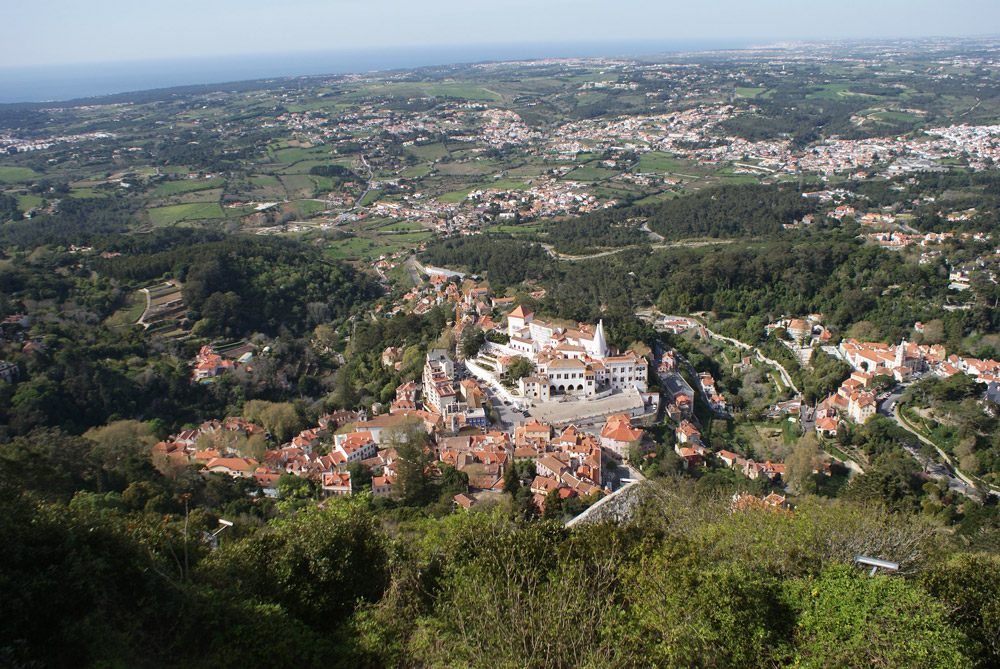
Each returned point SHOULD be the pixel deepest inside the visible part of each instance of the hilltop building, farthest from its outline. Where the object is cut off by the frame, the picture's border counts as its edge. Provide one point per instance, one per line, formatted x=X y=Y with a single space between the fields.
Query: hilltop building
x=571 y=361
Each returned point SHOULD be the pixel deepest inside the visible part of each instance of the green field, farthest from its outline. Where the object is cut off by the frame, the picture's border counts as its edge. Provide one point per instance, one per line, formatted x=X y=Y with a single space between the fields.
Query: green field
x=161 y=216
x=295 y=154
x=744 y=92
x=371 y=197
x=402 y=226
x=416 y=172
x=455 y=196
x=11 y=174
x=463 y=92
x=429 y=151
x=305 y=207
x=360 y=247
x=410 y=237
x=590 y=173
x=185 y=186
x=298 y=185
x=26 y=202
x=897 y=116
x=519 y=229
x=656 y=161
x=135 y=304
x=508 y=184
x=835 y=92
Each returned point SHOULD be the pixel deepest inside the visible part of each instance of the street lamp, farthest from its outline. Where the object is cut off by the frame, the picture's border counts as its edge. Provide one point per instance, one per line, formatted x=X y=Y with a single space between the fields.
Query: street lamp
x=875 y=563
x=212 y=539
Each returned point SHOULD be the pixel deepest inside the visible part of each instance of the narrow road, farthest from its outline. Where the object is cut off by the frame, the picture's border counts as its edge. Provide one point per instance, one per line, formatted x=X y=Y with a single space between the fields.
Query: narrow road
x=145 y=312
x=411 y=266
x=561 y=256
x=655 y=235
x=969 y=485
x=785 y=377
x=368 y=184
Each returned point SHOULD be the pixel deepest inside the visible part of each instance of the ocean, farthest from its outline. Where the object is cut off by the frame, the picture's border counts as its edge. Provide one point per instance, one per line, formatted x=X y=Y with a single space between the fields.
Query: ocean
x=67 y=82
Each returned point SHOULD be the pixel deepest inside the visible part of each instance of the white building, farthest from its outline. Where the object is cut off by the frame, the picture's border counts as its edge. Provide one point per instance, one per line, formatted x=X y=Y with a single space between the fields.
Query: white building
x=571 y=361
x=440 y=392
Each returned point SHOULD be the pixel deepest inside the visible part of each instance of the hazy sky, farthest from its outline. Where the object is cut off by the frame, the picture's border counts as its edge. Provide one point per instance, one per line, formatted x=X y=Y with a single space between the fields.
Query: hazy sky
x=43 y=32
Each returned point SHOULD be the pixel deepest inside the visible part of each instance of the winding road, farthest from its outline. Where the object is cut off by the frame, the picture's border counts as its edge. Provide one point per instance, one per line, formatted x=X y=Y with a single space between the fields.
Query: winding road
x=656 y=247
x=735 y=342
x=959 y=481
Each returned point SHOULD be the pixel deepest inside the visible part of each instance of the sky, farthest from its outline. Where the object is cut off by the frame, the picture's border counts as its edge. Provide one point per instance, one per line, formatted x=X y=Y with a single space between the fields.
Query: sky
x=53 y=32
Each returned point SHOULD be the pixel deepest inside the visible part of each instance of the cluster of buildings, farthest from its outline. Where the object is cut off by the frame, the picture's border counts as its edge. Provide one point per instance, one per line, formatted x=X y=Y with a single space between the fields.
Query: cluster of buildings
x=209 y=364
x=575 y=362
x=9 y=142
x=570 y=462
x=689 y=446
x=460 y=402
x=853 y=400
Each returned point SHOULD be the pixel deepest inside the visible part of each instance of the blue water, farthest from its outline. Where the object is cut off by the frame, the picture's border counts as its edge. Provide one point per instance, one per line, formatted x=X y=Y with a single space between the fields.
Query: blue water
x=66 y=82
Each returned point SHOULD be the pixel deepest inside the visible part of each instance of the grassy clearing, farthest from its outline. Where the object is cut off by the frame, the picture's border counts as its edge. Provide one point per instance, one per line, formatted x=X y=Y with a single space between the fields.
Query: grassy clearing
x=26 y=202
x=463 y=92
x=455 y=196
x=371 y=197
x=657 y=161
x=357 y=248
x=520 y=229
x=129 y=314
x=416 y=172
x=746 y=92
x=429 y=151
x=897 y=116
x=402 y=226
x=412 y=238
x=294 y=155
x=161 y=216
x=185 y=186
x=298 y=185
x=12 y=174
x=508 y=184
x=303 y=207
x=589 y=173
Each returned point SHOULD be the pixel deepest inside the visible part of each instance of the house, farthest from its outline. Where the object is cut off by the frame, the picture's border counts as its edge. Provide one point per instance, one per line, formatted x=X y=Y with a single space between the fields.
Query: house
x=336 y=484
x=799 y=329
x=618 y=436
x=464 y=501
x=381 y=486
x=686 y=433
x=235 y=467
x=542 y=485
x=771 y=470
x=826 y=427
x=728 y=457
x=355 y=446
x=268 y=480
x=8 y=372
x=553 y=465
x=690 y=455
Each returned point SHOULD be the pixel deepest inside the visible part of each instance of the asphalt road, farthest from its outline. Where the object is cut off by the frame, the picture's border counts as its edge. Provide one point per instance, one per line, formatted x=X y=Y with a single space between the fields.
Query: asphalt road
x=934 y=467
x=509 y=416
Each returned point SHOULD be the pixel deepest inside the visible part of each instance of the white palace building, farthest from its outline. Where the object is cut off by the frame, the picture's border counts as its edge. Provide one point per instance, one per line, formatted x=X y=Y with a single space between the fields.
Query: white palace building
x=575 y=362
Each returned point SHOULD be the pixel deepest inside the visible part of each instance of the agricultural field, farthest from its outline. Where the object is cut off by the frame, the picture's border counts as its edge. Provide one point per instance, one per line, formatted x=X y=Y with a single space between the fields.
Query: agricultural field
x=464 y=92
x=590 y=173
x=12 y=174
x=185 y=186
x=161 y=216
x=360 y=248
